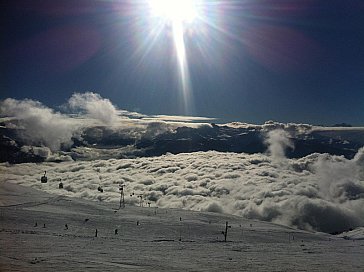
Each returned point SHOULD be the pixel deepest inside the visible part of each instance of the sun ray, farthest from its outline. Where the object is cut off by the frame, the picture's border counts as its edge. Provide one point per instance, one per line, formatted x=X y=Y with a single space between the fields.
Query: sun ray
x=146 y=46
x=178 y=37
x=176 y=14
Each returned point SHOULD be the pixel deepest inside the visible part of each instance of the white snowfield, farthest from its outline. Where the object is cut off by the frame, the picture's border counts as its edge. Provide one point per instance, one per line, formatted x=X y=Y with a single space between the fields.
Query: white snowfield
x=44 y=232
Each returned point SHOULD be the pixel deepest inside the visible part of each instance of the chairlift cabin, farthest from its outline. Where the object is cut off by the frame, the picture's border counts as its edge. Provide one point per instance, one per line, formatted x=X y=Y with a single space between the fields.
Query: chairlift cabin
x=60 y=184
x=44 y=178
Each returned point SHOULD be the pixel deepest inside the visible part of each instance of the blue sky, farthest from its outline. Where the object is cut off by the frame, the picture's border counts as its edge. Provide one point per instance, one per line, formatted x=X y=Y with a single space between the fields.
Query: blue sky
x=249 y=61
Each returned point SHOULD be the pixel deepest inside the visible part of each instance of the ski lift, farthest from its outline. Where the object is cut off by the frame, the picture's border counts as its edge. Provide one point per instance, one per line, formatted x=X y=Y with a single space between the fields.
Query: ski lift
x=122 y=199
x=44 y=178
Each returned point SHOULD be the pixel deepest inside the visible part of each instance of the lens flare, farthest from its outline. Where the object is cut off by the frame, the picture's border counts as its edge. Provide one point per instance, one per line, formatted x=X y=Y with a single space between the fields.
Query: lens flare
x=177 y=13
x=174 y=10
x=183 y=66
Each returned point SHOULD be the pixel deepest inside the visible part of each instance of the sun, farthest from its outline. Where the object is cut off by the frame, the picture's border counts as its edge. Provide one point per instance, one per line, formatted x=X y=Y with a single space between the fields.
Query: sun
x=179 y=14
x=174 y=10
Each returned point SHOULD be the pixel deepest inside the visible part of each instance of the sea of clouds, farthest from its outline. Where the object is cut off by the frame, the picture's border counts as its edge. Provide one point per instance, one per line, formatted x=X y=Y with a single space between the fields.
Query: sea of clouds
x=51 y=130
x=318 y=192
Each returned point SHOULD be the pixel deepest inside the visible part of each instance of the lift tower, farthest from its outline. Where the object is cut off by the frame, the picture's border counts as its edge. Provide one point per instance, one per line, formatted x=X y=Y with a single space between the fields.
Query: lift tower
x=122 y=200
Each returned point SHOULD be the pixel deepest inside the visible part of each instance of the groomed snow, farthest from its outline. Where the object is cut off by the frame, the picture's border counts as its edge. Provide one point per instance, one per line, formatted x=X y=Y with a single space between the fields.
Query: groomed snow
x=42 y=232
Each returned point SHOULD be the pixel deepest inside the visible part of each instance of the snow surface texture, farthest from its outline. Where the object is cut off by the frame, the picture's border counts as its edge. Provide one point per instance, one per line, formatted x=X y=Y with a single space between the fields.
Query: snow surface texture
x=318 y=192
x=42 y=232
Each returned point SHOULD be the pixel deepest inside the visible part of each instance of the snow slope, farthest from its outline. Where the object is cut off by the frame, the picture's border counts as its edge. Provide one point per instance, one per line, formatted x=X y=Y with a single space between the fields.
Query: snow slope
x=355 y=234
x=34 y=237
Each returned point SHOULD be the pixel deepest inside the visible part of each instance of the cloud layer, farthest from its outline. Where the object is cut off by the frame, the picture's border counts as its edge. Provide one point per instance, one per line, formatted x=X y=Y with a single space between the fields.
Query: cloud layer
x=89 y=126
x=318 y=192
x=278 y=140
x=38 y=124
x=94 y=106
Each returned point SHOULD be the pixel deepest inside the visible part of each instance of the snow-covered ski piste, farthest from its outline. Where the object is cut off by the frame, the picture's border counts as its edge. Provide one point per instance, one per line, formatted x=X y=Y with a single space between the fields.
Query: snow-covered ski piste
x=44 y=232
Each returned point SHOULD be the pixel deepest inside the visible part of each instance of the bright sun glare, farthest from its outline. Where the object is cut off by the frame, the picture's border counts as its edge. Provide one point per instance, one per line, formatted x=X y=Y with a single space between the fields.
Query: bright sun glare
x=177 y=13
x=174 y=10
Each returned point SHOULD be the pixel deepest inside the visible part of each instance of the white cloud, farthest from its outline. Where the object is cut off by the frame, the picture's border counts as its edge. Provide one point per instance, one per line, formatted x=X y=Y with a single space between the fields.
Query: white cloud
x=94 y=107
x=38 y=124
x=306 y=193
x=44 y=152
x=183 y=119
x=320 y=191
x=278 y=140
x=291 y=128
